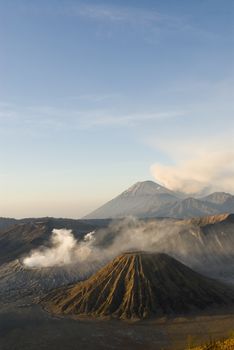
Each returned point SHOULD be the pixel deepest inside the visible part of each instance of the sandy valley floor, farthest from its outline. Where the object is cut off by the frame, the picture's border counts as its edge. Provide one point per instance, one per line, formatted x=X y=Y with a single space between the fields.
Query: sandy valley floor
x=28 y=327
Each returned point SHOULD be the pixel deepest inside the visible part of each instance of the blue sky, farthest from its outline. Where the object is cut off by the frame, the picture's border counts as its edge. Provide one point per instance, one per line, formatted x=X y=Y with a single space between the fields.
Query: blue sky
x=96 y=95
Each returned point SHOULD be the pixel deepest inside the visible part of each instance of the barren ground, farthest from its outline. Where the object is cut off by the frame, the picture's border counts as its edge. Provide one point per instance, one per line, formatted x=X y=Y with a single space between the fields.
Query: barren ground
x=28 y=327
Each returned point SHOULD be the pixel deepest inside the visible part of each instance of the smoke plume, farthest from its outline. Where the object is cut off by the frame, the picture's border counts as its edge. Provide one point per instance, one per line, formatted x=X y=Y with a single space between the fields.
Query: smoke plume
x=99 y=247
x=206 y=172
x=181 y=239
x=64 y=249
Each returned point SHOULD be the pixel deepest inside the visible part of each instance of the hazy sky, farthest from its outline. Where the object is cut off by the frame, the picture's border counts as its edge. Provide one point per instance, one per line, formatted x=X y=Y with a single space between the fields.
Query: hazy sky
x=96 y=95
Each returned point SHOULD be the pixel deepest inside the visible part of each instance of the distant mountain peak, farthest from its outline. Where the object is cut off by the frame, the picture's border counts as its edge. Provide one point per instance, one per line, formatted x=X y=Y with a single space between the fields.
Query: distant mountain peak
x=217 y=197
x=139 y=200
x=149 y=199
x=145 y=188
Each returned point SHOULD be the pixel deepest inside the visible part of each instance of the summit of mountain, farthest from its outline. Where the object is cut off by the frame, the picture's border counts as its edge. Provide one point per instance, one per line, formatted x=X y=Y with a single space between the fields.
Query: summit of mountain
x=218 y=198
x=146 y=188
x=140 y=200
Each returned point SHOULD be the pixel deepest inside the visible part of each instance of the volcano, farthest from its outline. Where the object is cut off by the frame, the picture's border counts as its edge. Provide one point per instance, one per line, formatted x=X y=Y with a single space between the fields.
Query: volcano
x=142 y=199
x=139 y=285
x=148 y=199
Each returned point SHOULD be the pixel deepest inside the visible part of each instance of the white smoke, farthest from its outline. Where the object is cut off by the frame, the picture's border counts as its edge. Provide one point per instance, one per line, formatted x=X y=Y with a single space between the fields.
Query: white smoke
x=181 y=239
x=89 y=236
x=98 y=247
x=64 y=249
x=201 y=173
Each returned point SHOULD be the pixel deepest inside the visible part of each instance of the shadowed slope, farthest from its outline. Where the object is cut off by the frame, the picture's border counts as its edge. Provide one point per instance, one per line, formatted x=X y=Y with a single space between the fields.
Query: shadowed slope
x=139 y=285
x=28 y=234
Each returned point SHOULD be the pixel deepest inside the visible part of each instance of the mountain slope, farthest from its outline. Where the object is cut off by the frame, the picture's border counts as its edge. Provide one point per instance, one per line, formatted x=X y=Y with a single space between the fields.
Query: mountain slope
x=217 y=198
x=205 y=244
x=187 y=208
x=148 y=199
x=139 y=285
x=6 y=223
x=139 y=200
x=17 y=281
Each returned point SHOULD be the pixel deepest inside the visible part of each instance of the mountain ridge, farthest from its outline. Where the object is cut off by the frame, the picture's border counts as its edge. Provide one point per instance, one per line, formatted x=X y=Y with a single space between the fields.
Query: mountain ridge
x=149 y=199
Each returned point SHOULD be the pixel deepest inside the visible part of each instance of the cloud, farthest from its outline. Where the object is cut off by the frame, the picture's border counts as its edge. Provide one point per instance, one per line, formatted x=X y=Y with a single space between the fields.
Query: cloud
x=148 y=23
x=151 y=21
x=92 y=97
x=55 y=118
x=118 y=13
x=131 y=119
x=197 y=166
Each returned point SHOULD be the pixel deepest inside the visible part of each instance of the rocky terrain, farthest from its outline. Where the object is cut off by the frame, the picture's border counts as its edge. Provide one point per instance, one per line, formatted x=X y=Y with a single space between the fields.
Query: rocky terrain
x=205 y=244
x=18 y=282
x=140 y=285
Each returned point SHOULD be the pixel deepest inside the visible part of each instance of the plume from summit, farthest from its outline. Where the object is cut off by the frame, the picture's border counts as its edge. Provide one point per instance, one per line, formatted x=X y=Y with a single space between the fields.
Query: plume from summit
x=204 y=172
x=64 y=249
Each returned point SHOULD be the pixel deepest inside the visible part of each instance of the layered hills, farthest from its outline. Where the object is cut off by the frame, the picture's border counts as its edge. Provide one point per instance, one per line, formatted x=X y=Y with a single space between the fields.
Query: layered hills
x=149 y=199
x=138 y=285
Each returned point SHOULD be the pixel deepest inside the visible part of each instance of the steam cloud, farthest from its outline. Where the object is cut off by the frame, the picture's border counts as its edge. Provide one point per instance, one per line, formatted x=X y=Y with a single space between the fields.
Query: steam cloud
x=99 y=247
x=64 y=250
x=181 y=239
x=205 y=173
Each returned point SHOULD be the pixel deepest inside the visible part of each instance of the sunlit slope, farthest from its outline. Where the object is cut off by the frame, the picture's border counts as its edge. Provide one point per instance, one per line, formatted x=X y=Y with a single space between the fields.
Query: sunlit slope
x=227 y=344
x=140 y=285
